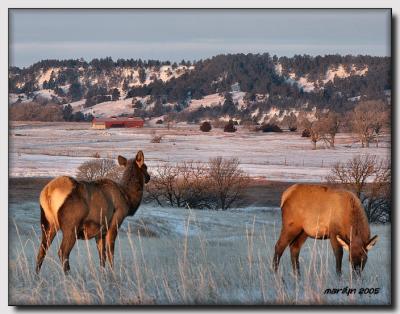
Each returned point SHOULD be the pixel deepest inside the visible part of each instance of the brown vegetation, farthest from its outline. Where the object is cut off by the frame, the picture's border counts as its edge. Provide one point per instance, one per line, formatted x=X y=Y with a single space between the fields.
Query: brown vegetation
x=368 y=120
x=97 y=169
x=205 y=126
x=218 y=185
x=32 y=111
x=370 y=180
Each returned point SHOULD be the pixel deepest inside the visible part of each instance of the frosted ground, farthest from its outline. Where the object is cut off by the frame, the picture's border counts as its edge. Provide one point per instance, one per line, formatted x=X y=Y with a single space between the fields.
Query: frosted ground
x=50 y=149
x=180 y=256
x=189 y=257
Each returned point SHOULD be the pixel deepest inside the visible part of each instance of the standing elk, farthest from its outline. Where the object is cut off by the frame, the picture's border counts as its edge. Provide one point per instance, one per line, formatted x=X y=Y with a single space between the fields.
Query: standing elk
x=85 y=210
x=321 y=212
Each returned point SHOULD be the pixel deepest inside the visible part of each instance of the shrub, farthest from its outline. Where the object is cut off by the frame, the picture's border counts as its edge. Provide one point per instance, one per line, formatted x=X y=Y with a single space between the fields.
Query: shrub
x=306 y=133
x=270 y=128
x=156 y=138
x=370 y=180
x=293 y=129
x=219 y=185
x=99 y=168
x=230 y=127
x=227 y=180
x=205 y=126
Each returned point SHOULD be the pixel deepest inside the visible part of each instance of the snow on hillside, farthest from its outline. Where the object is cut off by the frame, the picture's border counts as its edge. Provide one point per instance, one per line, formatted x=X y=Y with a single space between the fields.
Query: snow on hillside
x=237 y=98
x=342 y=73
x=215 y=100
x=207 y=101
x=309 y=86
x=45 y=93
x=109 y=108
x=302 y=82
x=45 y=76
x=78 y=105
x=13 y=98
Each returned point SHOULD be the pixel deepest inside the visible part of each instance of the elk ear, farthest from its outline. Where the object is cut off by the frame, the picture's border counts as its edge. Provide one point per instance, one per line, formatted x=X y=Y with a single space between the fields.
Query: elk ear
x=371 y=242
x=140 y=158
x=122 y=161
x=343 y=243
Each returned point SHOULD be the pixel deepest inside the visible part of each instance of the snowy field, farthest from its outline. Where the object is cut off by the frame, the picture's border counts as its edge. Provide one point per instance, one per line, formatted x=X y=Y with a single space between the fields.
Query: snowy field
x=177 y=256
x=51 y=149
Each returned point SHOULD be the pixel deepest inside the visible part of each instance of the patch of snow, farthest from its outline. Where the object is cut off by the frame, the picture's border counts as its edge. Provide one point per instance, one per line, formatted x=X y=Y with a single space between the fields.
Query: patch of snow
x=110 y=108
x=45 y=93
x=207 y=101
x=340 y=72
x=278 y=68
x=357 y=98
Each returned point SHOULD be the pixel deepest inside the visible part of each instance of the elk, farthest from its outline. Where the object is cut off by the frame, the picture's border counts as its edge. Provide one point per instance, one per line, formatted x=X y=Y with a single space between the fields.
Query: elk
x=322 y=212
x=86 y=210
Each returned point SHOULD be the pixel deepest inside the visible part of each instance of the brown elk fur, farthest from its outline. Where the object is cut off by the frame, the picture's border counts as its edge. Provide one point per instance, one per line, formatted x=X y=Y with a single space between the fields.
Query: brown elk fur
x=322 y=212
x=85 y=210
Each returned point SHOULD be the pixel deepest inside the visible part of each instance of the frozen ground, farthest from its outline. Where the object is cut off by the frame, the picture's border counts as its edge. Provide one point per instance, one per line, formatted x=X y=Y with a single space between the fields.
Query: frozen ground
x=188 y=257
x=50 y=149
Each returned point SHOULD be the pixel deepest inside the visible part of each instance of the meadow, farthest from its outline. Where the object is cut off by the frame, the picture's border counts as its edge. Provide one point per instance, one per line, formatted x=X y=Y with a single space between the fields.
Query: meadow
x=182 y=256
x=177 y=255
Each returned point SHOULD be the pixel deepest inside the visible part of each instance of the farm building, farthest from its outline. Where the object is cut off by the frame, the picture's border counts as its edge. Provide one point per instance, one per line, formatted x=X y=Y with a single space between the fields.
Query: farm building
x=114 y=122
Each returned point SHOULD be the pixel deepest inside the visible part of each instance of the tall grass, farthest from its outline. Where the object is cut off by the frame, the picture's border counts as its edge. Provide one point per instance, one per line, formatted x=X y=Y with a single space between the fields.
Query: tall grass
x=187 y=270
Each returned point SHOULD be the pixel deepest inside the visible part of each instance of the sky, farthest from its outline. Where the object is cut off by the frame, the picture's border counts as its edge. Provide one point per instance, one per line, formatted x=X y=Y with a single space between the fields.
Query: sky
x=173 y=35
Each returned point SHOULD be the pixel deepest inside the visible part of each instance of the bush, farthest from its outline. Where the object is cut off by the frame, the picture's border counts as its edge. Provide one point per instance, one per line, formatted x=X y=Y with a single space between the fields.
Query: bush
x=99 y=168
x=205 y=126
x=230 y=127
x=370 y=180
x=156 y=138
x=270 y=128
x=192 y=184
x=306 y=133
x=293 y=129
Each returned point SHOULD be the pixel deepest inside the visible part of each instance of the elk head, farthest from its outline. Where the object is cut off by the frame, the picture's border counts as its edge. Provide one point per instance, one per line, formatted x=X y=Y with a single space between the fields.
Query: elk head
x=358 y=251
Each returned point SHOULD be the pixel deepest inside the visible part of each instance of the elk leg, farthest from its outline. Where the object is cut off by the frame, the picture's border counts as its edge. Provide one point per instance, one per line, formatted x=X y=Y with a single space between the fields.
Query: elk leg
x=48 y=234
x=101 y=248
x=286 y=237
x=338 y=251
x=295 y=247
x=110 y=243
x=67 y=244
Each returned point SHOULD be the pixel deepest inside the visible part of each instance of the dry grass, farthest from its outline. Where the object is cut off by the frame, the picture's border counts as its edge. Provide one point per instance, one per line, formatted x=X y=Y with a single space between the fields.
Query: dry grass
x=190 y=270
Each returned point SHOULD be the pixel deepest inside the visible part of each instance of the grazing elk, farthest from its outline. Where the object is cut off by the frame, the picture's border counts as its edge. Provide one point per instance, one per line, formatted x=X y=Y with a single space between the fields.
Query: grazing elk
x=321 y=212
x=85 y=210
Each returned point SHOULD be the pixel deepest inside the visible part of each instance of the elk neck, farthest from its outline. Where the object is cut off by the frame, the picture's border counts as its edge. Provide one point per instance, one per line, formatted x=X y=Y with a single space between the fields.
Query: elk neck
x=132 y=186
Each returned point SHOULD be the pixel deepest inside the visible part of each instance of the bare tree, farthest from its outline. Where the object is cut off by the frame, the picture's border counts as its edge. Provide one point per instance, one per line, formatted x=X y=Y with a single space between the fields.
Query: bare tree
x=227 y=180
x=329 y=127
x=97 y=169
x=311 y=127
x=368 y=118
x=370 y=180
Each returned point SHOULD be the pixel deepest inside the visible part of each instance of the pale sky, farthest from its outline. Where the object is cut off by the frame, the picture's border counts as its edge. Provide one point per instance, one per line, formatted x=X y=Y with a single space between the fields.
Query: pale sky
x=194 y=34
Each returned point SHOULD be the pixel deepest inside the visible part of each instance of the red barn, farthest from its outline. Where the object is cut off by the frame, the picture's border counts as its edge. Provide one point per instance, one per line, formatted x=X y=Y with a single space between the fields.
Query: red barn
x=114 y=122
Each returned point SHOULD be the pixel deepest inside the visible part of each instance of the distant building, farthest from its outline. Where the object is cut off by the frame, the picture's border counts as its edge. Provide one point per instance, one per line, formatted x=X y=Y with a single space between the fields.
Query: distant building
x=114 y=122
x=235 y=87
